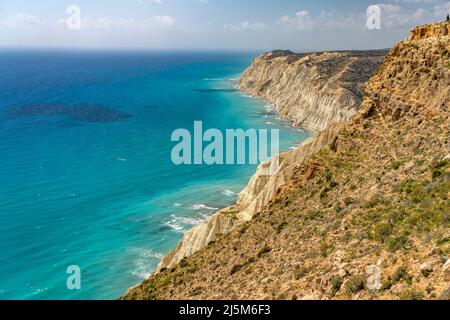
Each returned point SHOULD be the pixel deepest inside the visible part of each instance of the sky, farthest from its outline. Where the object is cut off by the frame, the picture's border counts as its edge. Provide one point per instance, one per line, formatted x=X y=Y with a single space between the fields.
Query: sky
x=299 y=25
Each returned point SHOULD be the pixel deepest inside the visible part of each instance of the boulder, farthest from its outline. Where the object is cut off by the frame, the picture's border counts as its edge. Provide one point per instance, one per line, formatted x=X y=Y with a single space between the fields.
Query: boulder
x=446 y=270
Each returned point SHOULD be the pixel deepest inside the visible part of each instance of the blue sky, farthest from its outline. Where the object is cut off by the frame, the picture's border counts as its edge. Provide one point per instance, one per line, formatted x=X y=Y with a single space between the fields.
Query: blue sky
x=213 y=24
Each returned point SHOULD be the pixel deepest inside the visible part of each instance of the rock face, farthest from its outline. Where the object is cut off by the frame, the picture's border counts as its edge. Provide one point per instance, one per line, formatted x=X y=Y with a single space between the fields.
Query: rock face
x=199 y=237
x=262 y=189
x=446 y=271
x=315 y=91
x=312 y=90
x=371 y=192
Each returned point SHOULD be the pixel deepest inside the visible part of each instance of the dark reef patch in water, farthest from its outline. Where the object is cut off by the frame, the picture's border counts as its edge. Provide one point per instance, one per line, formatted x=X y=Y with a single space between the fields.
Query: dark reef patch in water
x=80 y=112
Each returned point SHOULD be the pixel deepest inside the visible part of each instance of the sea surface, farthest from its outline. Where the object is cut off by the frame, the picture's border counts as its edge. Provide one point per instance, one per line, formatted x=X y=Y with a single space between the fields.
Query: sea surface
x=86 y=176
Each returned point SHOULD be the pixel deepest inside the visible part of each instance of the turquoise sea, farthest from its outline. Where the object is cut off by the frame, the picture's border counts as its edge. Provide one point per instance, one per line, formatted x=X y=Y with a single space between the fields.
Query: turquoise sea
x=86 y=176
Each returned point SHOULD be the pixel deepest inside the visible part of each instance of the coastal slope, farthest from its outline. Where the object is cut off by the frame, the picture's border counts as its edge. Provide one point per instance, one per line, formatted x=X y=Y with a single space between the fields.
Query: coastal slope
x=302 y=74
x=360 y=211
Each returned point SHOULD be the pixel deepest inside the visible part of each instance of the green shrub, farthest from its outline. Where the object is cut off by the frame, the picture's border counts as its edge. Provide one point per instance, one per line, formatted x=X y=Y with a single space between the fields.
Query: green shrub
x=396 y=165
x=355 y=284
x=183 y=263
x=399 y=274
x=336 y=284
x=281 y=226
x=300 y=272
x=333 y=145
x=348 y=201
x=436 y=174
x=236 y=268
x=382 y=231
x=265 y=250
x=411 y=294
x=244 y=228
x=325 y=249
x=395 y=244
x=312 y=215
x=441 y=164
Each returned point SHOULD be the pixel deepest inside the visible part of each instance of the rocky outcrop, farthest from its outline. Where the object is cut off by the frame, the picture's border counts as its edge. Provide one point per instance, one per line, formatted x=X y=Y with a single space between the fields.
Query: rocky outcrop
x=430 y=31
x=312 y=90
x=446 y=271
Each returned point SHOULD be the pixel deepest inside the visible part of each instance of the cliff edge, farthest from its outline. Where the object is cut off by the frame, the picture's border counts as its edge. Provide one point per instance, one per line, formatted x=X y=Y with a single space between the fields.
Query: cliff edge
x=312 y=90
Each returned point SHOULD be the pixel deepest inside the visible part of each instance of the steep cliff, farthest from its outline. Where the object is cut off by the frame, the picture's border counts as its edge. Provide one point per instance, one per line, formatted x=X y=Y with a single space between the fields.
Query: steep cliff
x=361 y=211
x=302 y=75
x=312 y=90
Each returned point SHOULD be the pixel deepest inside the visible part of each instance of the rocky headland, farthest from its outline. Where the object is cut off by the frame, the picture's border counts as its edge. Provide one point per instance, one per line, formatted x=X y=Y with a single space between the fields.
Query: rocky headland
x=359 y=211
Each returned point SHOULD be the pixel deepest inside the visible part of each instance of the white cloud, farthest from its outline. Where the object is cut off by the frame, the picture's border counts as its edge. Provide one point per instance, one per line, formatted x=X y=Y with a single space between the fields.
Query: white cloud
x=25 y=20
x=393 y=16
x=150 y=1
x=302 y=20
x=126 y=24
x=414 y=1
x=21 y=19
x=165 y=21
x=246 y=26
x=442 y=10
x=105 y=23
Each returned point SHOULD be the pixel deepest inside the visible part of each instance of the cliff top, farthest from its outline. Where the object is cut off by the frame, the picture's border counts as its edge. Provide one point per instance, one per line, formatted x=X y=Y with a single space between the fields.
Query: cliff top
x=293 y=56
x=433 y=30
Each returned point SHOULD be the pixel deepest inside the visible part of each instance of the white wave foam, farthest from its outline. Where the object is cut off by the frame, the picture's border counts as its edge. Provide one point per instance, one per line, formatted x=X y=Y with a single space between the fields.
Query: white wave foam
x=228 y=193
x=143 y=269
x=269 y=107
x=145 y=253
x=202 y=206
x=39 y=291
x=182 y=224
x=175 y=227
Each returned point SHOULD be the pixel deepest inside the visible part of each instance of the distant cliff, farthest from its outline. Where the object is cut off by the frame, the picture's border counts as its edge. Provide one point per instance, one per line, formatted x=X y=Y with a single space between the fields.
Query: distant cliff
x=312 y=90
x=360 y=211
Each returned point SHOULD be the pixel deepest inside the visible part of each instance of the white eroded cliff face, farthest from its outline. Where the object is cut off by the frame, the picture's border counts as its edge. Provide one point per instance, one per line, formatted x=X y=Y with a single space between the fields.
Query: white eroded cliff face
x=312 y=90
x=315 y=91
x=198 y=237
x=258 y=193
